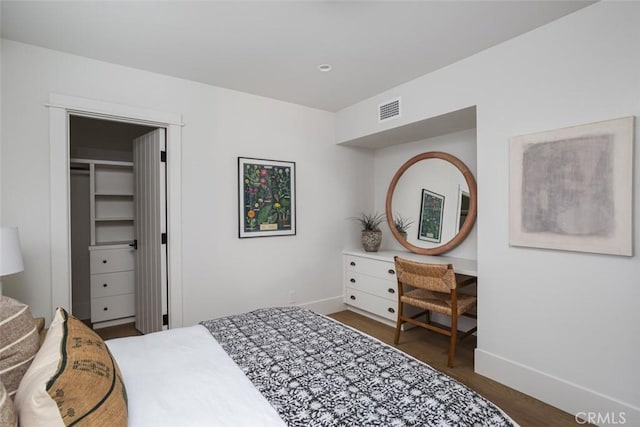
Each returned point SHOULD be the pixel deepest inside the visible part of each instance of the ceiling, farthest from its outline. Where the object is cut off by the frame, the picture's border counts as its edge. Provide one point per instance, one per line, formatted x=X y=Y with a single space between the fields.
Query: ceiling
x=273 y=48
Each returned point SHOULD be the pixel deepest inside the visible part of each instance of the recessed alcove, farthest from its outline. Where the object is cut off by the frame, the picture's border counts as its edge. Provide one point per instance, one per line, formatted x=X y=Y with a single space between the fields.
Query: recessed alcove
x=453 y=133
x=451 y=122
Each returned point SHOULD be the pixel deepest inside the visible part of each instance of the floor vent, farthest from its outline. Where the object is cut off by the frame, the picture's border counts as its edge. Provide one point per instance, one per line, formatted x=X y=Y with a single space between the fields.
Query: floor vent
x=389 y=110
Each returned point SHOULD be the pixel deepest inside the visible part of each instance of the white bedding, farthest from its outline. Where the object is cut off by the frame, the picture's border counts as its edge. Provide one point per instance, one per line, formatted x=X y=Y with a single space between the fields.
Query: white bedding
x=182 y=377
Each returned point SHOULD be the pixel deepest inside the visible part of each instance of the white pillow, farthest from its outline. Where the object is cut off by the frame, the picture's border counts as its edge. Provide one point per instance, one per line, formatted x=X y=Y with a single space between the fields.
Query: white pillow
x=33 y=404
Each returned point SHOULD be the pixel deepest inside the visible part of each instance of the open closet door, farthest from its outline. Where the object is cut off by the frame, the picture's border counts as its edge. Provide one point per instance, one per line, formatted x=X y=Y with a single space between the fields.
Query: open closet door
x=149 y=176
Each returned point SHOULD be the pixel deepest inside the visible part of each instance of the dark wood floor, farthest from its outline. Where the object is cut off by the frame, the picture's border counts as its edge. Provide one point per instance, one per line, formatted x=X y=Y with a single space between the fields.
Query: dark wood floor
x=120 y=331
x=432 y=349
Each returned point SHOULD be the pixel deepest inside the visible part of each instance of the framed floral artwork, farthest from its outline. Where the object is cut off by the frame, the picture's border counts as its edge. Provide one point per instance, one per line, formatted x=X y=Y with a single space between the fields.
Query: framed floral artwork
x=431 y=210
x=267 y=197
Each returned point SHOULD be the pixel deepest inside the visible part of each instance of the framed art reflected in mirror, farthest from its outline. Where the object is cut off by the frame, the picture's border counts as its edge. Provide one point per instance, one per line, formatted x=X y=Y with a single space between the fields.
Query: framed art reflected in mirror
x=431 y=212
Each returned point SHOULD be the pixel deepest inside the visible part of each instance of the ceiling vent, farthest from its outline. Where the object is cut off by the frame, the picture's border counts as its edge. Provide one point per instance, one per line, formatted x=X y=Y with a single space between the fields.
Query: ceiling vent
x=389 y=110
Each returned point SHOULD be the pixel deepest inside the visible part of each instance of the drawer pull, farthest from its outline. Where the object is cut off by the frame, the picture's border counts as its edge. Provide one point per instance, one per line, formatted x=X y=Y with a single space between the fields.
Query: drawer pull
x=391 y=271
x=106 y=308
x=352 y=263
x=104 y=285
x=391 y=291
x=104 y=261
x=353 y=297
x=391 y=310
x=352 y=280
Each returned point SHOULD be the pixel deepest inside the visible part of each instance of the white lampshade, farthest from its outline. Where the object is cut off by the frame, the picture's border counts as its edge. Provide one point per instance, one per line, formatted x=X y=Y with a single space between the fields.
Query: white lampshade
x=10 y=255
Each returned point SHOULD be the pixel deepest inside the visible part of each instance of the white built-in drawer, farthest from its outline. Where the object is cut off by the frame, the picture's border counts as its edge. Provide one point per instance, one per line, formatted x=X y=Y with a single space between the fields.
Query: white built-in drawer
x=113 y=307
x=111 y=260
x=373 y=285
x=108 y=284
x=380 y=306
x=370 y=267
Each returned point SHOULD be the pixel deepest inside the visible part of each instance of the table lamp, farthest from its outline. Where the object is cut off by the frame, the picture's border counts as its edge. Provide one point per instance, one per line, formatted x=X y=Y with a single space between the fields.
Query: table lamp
x=10 y=255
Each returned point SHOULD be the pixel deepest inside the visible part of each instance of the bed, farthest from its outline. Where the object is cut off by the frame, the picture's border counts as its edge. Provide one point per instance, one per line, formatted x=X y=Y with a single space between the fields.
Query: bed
x=269 y=367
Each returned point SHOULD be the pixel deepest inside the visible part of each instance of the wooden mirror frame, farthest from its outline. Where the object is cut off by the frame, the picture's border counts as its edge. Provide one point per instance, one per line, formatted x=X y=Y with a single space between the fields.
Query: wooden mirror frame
x=473 y=203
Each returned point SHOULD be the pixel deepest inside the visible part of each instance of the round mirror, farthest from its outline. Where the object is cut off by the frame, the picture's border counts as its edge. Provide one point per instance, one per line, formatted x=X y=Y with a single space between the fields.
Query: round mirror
x=436 y=193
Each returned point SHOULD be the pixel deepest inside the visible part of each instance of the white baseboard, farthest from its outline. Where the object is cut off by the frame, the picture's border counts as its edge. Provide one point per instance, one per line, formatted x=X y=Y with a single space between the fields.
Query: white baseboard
x=325 y=306
x=587 y=404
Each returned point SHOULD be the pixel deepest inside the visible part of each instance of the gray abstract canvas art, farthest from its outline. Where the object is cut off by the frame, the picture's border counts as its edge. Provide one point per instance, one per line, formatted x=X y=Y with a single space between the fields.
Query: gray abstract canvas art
x=572 y=188
x=567 y=186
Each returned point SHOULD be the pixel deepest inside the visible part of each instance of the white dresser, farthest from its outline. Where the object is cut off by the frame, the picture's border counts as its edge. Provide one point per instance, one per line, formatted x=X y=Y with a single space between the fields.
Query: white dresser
x=112 y=279
x=370 y=282
x=370 y=285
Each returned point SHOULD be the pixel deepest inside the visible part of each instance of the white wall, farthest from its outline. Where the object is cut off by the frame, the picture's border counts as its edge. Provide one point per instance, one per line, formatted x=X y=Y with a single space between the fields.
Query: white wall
x=561 y=326
x=221 y=273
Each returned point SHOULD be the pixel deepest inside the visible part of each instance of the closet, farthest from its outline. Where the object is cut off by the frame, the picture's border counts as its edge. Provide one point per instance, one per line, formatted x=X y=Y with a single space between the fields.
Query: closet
x=111 y=258
x=103 y=219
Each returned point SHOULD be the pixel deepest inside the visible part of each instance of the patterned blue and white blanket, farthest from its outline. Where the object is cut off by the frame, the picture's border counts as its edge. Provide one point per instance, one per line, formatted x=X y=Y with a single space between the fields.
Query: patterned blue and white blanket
x=317 y=372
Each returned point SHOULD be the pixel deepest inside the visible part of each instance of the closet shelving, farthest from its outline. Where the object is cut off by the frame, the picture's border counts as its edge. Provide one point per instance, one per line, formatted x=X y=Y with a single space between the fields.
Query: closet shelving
x=112 y=263
x=111 y=200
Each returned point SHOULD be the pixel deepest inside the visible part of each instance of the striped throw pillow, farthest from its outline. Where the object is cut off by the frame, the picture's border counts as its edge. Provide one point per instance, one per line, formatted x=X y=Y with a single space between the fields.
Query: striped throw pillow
x=19 y=342
x=8 y=416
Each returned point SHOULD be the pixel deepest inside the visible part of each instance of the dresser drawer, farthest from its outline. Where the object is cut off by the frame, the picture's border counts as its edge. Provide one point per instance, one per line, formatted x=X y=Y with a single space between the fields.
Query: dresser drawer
x=108 y=284
x=111 y=260
x=113 y=307
x=371 y=303
x=370 y=267
x=383 y=288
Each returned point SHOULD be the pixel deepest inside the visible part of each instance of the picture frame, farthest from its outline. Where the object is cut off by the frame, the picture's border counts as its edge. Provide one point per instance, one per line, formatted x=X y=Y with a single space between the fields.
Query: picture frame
x=267 y=197
x=571 y=188
x=431 y=212
x=464 y=203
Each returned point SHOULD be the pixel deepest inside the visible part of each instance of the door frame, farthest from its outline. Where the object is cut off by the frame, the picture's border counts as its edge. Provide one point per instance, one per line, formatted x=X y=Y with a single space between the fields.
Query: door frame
x=60 y=108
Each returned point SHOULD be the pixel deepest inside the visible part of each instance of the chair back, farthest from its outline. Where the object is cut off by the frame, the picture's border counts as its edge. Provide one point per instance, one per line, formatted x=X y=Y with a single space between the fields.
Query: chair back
x=432 y=277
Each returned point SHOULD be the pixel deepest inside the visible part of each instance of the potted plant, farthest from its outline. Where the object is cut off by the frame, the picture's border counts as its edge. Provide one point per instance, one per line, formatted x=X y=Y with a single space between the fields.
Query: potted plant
x=402 y=225
x=371 y=233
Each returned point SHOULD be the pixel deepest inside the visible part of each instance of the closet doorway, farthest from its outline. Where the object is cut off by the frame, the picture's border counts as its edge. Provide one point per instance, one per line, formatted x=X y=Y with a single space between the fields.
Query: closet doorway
x=118 y=223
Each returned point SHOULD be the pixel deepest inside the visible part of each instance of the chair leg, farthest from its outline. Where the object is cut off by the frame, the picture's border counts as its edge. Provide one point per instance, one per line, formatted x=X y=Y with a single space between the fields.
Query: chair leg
x=398 y=323
x=453 y=340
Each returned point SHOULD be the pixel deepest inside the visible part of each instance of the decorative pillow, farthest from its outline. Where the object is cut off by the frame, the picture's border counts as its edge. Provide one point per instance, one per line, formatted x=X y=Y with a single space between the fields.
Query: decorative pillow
x=7 y=412
x=73 y=380
x=42 y=332
x=19 y=342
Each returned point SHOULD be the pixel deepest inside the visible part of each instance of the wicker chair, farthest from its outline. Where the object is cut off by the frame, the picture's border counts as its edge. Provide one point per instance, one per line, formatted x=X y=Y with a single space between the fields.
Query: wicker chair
x=433 y=287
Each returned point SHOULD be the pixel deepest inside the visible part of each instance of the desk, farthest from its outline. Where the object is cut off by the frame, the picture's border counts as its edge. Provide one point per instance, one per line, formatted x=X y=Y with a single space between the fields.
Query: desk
x=370 y=283
x=460 y=265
